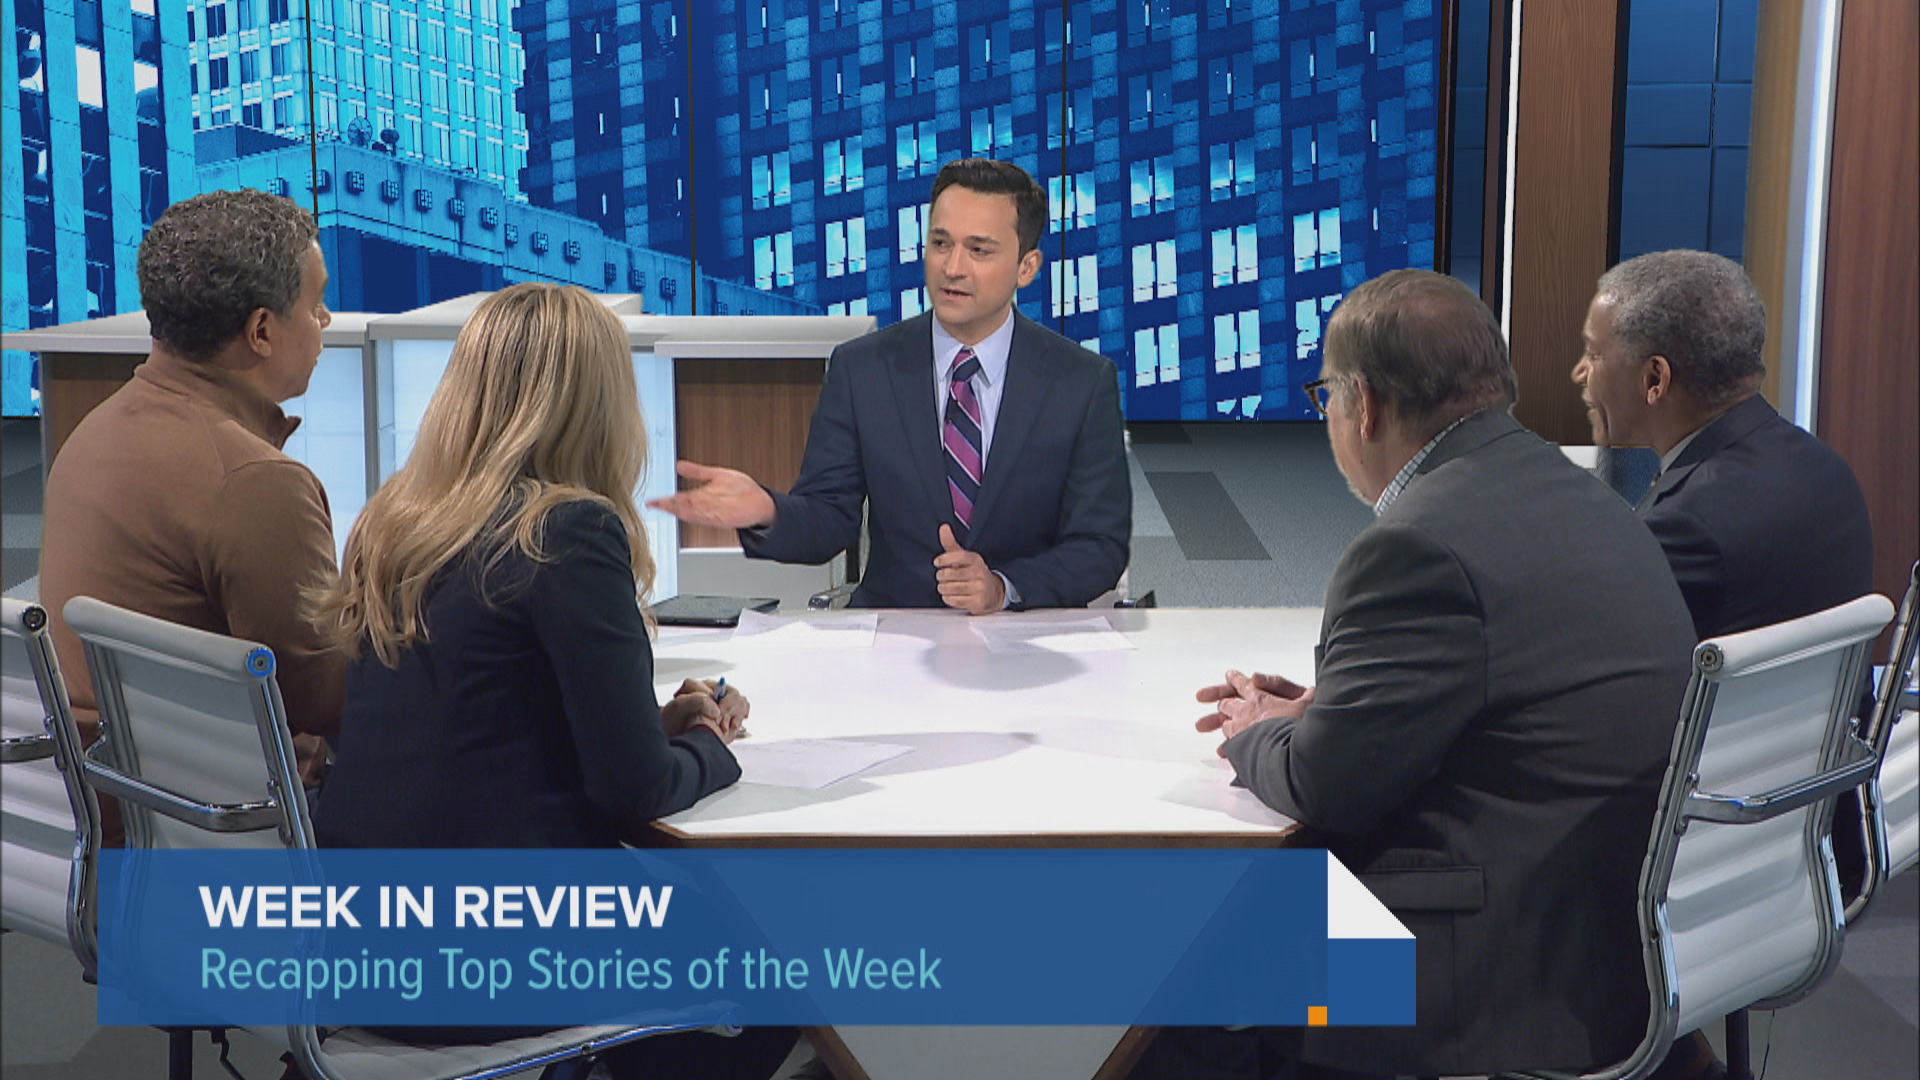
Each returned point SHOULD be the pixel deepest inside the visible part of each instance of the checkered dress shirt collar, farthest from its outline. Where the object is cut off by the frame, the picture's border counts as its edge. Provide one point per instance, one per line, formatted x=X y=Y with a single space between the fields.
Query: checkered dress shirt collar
x=1405 y=476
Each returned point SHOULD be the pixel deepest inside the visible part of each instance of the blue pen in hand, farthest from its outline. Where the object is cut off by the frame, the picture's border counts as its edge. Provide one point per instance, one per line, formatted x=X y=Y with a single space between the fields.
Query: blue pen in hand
x=719 y=695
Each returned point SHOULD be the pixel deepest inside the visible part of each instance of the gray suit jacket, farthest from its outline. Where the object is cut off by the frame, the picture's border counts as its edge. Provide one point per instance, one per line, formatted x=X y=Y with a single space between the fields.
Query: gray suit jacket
x=1500 y=672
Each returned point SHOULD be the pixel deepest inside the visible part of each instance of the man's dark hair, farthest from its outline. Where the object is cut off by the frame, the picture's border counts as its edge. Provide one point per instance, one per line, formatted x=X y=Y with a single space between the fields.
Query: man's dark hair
x=1428 y=346
x=990 y=177
x=1699 y=311
x=213 y=260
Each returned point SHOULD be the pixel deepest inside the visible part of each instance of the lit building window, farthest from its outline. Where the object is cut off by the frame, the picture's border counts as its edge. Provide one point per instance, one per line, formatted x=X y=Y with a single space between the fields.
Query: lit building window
x=1076 y=285
x=992 y=130
x=1236 y=341
x=842 y=168
x=773 y=260
x=1156 y=355
x=916 y=152
x=1236 y=255
x=1230 y=169
x=1308 y=317
x=1154 y=273
x=1316 y=239
x=1070 y=202
x=1152 y=188
x=772 y=180
x=846 y=247
x=912 y=232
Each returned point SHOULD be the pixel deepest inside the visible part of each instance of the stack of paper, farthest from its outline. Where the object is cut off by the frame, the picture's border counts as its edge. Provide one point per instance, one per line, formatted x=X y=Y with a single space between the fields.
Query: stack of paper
x=809 y=764
x=1085 y=635
x=837 y=632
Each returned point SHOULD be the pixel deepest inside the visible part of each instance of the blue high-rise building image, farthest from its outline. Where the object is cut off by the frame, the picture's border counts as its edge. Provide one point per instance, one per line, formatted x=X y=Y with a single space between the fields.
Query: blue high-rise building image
x=1218 y=172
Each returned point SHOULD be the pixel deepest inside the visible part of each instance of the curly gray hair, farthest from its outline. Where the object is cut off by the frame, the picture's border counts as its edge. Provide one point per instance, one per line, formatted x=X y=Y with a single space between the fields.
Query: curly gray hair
x=1699 y=311
x=211 y=261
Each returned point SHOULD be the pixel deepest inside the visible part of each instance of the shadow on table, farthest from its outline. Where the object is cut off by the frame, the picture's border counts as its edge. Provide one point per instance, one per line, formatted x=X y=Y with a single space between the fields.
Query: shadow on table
x=930 y=750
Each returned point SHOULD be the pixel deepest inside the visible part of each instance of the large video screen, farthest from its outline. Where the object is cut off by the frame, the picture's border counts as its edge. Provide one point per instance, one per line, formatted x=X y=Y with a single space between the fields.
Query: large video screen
x=1219 y=172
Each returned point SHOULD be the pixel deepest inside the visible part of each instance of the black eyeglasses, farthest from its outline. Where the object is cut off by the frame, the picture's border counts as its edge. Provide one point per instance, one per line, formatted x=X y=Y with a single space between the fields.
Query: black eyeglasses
x=1319 y=392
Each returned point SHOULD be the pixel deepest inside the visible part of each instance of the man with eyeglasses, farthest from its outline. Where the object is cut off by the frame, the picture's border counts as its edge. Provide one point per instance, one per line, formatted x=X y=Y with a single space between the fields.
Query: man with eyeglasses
x=1500 y=668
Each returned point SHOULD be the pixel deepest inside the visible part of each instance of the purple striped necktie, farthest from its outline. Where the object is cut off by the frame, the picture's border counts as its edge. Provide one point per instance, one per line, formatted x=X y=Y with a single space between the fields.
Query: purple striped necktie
x=962 y=439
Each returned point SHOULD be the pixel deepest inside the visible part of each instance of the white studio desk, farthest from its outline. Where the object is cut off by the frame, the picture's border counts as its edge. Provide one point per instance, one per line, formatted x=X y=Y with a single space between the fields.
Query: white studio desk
x=1009 y=749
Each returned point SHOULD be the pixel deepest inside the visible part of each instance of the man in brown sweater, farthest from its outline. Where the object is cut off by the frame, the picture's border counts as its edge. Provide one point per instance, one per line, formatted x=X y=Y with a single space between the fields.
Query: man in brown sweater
x=173 y=498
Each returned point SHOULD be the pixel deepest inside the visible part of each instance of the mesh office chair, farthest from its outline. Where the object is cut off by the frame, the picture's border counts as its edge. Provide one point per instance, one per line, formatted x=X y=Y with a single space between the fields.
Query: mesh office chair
x=1739 y=905
x=1890 y=802
x=195 y=744
x=49 y=820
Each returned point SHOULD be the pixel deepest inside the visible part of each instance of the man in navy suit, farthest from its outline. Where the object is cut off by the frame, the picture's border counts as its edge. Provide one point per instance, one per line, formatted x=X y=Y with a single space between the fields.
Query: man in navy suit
x=1760 y=521
x=987 y=449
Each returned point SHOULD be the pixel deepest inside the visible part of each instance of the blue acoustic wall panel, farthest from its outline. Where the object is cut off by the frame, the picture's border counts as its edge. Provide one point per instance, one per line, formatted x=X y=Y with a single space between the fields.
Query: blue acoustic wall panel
x=1688 y=115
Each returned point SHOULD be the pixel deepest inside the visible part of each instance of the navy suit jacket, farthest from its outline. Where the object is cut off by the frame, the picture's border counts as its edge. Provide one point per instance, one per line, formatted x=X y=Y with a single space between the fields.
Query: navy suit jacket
x=1761 y=523
x=526 y=716
x=1056 y=507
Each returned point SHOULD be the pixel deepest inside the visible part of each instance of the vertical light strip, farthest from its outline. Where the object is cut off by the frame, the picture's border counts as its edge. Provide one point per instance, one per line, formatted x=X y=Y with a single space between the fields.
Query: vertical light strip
x=1813 y=250
x=1512 y=152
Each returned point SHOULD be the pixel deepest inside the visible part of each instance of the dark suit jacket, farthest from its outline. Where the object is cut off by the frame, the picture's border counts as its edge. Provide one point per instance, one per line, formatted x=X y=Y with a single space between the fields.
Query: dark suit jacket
x=1761 y=523
x=525 y=719
x=1056 y=508
x=1501 y=666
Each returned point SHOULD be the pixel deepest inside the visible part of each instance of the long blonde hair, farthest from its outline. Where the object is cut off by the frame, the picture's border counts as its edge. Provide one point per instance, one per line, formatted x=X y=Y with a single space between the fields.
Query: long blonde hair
x=537 y=407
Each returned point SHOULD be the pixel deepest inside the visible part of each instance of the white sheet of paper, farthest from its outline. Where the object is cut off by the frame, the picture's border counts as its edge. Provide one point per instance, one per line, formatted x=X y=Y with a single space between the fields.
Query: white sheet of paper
x=840 y=632
x=809 y=764
x=1090 y=634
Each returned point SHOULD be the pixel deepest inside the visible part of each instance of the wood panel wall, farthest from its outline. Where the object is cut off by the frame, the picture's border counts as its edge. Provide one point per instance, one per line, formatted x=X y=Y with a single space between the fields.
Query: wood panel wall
x=750 y=415
x=1869 y=385
x=1564 y=173
x=72 y=385
x=1771 y=164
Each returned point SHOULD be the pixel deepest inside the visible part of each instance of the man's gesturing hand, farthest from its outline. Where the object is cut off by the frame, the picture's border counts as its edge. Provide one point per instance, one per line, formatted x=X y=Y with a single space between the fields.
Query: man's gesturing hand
x=964 y=580
x=724 y=497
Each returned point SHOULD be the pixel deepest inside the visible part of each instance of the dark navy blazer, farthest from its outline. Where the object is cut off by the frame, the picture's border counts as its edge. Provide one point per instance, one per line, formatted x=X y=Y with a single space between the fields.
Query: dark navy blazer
x=1056 y=508
x=1761 y=523
x=526 y=718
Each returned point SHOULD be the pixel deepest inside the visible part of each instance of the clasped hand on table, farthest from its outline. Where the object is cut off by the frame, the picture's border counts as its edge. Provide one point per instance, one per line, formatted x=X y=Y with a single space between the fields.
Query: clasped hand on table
x=695 y=705
x=1245 y=700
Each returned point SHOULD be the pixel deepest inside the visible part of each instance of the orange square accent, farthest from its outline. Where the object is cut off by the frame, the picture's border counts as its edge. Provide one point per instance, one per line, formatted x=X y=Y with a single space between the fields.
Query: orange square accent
x=1316 y=1016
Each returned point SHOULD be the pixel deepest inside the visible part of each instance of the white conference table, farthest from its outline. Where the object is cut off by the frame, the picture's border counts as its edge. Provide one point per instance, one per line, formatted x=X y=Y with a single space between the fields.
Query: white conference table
x=1028 y=748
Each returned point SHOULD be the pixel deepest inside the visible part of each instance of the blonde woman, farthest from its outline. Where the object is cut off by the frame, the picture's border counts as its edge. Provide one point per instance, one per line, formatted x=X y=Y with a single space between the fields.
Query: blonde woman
x=500 y=692
x=500 y=687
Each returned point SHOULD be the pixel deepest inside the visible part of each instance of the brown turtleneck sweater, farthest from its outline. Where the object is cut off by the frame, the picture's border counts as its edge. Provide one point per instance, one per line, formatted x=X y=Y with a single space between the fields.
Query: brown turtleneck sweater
x=173 y=499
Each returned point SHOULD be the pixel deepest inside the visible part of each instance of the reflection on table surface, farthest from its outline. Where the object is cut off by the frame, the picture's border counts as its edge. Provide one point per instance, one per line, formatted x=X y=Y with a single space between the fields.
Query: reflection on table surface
x=1012 y=739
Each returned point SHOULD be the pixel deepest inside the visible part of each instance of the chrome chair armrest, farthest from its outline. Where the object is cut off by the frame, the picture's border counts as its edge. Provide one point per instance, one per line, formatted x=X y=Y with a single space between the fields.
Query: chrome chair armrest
x=835 y=597
x=213 y=817
x=25 y=748
x=1745 y=810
